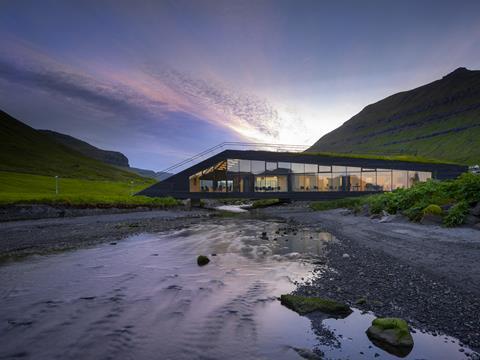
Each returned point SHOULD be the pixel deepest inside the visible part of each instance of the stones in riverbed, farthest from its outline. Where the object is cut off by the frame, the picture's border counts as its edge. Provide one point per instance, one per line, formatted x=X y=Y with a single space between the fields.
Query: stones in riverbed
x=304 y=305
x=307 y=354
x=202 y=260
x=391 y=335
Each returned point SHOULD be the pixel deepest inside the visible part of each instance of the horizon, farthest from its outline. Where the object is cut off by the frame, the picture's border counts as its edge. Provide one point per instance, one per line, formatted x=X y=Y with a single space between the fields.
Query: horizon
x=183 y=76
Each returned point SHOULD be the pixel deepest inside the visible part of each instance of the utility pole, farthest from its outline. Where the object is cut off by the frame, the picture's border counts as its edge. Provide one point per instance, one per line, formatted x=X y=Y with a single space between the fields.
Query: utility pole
x=56 y=184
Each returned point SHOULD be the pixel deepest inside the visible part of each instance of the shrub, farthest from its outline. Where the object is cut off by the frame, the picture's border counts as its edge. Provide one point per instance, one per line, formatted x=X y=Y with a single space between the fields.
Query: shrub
x=456 y=215
x=432 y=209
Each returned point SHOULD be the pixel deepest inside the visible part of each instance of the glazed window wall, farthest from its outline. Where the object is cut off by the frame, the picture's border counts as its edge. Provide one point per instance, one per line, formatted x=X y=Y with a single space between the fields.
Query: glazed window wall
x=240 y=175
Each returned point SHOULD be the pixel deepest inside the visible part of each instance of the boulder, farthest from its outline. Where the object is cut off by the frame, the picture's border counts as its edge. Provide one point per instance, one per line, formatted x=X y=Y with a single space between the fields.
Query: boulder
x=475 y=211
x=431 y=219
x=391 y=335
x=202 y=260
x=304 y=305
x=307 y=354
x=471 y=220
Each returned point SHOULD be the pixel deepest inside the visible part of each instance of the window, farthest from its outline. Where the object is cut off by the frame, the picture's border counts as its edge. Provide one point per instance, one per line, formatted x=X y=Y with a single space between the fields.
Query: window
x=271 y=166
x=339 y=169
x=323 y=181
x=369 y=180
x=399 y=179
x=311 y=182
x=298 y=168
x=233 y=165
x=245 y=166
x=298 y=182
x=354 y=181
x=258 y=167
x=284 y=167
x=311 y=168
x=323 y=168
x=384 y=179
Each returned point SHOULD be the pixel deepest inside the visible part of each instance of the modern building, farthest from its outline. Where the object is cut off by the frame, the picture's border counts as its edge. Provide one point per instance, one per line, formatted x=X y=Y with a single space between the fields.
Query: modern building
x=296 y=176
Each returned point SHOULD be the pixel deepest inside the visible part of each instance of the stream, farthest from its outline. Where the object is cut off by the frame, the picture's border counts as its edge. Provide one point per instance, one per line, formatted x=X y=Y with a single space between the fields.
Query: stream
x=145 y=297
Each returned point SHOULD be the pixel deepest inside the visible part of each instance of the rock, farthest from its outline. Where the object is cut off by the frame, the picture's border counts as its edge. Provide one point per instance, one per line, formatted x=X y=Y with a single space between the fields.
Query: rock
x=202 y=260
x=391 y=335
x=307 y=354
x=361 y=301
x=431 y=219
x=475 y=211
x=477 y=226
x=387 y=219
x=345 y=256
x=375 y=216
x=304 y=305
x=471 y=220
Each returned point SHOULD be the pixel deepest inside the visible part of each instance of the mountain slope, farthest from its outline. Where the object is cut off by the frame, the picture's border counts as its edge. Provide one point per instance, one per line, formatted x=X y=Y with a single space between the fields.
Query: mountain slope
x=26 y=150
x=109 y=157
x=439 y=120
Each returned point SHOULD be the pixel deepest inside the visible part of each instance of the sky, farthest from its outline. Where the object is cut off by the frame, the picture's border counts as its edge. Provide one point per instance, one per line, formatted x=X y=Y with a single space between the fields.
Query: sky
x=162 y=80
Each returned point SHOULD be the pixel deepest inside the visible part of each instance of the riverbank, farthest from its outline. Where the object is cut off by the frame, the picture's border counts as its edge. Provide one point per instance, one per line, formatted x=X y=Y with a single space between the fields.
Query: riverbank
x=44 y=236
x=426 y=274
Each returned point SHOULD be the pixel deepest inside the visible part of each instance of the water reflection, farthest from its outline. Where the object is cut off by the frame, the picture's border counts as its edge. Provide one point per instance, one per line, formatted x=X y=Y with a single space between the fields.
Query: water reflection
x=146 y=298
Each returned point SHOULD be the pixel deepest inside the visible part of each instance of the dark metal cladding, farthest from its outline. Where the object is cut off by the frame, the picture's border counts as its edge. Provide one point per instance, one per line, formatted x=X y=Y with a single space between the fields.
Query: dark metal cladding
x=178 y=185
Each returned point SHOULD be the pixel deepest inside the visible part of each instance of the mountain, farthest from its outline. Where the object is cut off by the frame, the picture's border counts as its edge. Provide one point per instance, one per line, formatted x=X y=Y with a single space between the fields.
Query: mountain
x=114 y=158
x=26 y=150
x=160 y=175
x=109 y=157
x=439 y=120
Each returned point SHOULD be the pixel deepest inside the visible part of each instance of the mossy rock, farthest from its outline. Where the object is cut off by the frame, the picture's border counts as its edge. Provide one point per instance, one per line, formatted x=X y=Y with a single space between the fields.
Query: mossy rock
x=202 y=260
x=304 y=305
x=391 y=335
x=433 y=209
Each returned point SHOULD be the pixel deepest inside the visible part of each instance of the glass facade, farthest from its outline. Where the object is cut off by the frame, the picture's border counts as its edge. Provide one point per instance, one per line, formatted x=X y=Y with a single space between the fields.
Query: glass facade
x=238 y=175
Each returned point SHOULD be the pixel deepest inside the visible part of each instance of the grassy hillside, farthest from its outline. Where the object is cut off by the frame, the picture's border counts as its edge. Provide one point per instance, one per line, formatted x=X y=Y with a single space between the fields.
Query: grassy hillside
x=439 y=120
x=109 y=157
x=28 y=188
x=26 y=150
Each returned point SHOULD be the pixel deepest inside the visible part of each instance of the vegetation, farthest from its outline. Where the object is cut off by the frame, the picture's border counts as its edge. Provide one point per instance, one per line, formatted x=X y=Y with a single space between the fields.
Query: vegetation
x=410 y=120
x=406 y=157
x=26 y=150
x=349 y=203
x=202 y=260
x=265 y=202
x=414 y=202
x=27 y=188
x=391 y=335
x=304 y=305
x=456 y=215
x=433 y=209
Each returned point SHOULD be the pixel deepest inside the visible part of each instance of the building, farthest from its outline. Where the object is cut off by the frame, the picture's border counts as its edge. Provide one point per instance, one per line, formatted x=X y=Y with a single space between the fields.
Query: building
x=296 y=176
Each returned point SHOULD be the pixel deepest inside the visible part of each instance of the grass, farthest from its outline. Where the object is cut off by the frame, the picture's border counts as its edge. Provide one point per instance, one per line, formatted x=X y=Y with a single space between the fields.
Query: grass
x=23 y=188
x=26 y=150
x=407 y=158
x=349 y=203
x=264 y=203
x=462 y=193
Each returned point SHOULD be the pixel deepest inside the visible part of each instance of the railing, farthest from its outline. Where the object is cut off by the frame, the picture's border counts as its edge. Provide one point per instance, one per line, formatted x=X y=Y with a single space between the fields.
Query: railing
x=231 y=145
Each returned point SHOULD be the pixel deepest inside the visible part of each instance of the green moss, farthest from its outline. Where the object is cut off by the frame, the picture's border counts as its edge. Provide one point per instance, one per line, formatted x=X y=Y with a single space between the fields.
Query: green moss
x=304 y=305
x=202 y=260
x=265 y=202
x=391 y=335
x=433 y=209
x=399 y=325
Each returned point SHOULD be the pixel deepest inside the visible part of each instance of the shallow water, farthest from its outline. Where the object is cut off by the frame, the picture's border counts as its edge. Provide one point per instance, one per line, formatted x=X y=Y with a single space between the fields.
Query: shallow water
x=146 y=298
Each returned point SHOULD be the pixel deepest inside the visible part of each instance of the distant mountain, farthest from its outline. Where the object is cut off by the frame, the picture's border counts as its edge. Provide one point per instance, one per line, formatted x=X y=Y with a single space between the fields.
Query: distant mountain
x=109 y=157
x=160 y=175
x=439 y=120
x=26 y=150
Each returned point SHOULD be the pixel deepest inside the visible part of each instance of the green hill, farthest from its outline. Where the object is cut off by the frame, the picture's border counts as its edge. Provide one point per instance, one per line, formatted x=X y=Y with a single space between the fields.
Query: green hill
x=26 y=150
x=109 y=157
x=439 y=120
